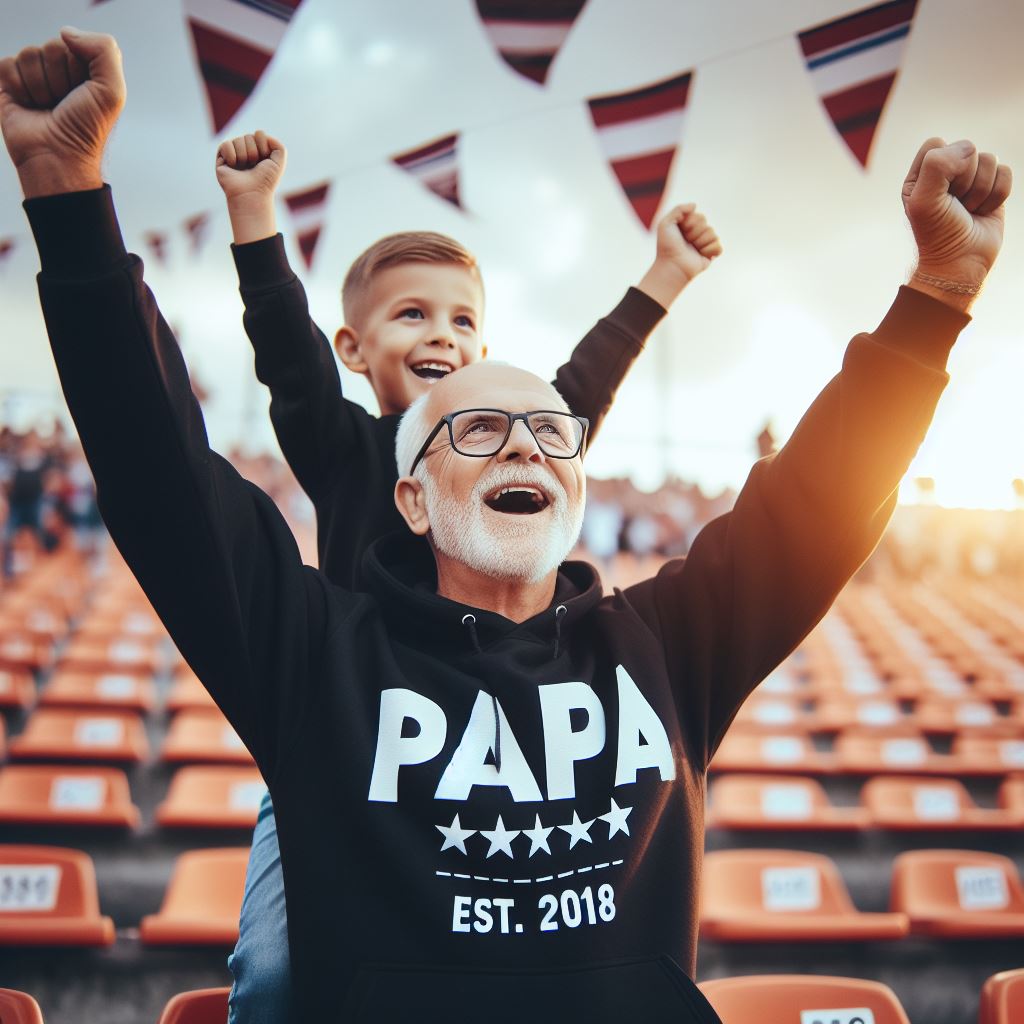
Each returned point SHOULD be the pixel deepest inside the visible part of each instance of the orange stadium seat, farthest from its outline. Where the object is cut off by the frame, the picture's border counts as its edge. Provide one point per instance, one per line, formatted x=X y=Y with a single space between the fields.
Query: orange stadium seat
x=774 y=803
x=204 y=1006
x=17 y=689
x=72 y=689
x=901 y=804
x=743 y=751
x=37 y=621
x=958 y=894
x=139 y=656
x=784 y=895
x=967 y=717
x=48 y=898
x=811 y=999
x=988 y=755
x=768 y=713
x=862 y=753
x=48 y=795
x=18 y=1008
x=1011 y=797
x=842 y=711
x=203 y=736
x=20 y=651
x=217 y=796
x=62 y=735
x=118 y=623
x=202 y=902
x=1002 y=998
x=188 y=694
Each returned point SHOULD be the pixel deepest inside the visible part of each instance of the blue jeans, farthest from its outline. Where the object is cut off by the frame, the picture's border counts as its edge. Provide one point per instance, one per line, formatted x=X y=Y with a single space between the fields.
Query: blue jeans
x=260 y=964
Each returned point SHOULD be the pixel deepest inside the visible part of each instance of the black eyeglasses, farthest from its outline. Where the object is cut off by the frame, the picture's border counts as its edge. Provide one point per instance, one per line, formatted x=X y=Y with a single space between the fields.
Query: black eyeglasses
x=481 y=433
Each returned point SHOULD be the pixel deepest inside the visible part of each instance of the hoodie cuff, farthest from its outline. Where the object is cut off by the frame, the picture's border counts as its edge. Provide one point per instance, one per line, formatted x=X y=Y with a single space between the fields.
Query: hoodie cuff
x=636 y=315
x=262 y=264
x=922 y=327
x=76 y=233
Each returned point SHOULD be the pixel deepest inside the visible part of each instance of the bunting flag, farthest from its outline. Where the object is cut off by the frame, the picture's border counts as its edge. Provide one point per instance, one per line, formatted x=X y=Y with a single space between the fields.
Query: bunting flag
x=639 y=132
x=6 y=248
x=157 y=242
x=234 y=41
x=853 y=63
x=196 y=229
x=529 y=33
x=436 y=166
x=307 y=211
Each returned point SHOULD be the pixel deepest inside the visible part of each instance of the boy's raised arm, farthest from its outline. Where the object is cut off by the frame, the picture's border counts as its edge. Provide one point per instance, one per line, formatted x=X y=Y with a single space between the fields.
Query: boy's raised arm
x=686 y=245
x=210 y=549
x=293 y=357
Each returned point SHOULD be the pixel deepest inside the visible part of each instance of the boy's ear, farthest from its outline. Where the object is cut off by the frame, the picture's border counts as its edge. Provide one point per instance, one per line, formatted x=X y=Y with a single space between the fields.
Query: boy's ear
x=346 y=344
x=412 y=504
x=483 y=351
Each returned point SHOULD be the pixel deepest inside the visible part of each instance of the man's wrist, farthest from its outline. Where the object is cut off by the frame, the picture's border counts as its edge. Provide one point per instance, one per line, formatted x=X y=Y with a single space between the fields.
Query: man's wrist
x=47 y=175
x=663 y=282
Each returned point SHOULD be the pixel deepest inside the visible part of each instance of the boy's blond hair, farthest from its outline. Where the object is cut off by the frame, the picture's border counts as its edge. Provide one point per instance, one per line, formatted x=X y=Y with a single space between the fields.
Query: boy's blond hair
x=394 y=250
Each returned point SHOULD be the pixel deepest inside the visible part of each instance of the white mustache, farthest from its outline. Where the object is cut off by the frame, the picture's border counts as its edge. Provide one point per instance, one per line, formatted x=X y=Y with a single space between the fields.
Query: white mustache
x=508 y=475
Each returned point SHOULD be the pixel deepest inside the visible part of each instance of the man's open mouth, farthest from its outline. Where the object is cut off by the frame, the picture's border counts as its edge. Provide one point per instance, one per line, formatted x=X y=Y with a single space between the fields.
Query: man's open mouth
x=431 y=370
x=517 y=500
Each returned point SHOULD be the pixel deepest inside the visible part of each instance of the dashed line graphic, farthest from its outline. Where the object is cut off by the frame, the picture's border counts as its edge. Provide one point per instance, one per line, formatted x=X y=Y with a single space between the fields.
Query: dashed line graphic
x=530 y=881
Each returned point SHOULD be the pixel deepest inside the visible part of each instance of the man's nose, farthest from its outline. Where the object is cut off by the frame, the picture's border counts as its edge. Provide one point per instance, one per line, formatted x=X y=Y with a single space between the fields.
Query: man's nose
x=521 y=444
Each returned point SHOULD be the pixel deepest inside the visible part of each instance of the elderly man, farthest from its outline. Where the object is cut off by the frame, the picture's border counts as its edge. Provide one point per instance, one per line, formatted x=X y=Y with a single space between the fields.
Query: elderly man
x=489 y=778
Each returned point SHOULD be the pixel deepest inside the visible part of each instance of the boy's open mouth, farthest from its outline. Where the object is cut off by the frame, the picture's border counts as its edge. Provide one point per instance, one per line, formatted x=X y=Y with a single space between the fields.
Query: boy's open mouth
x=517 y=500
x=431 y=370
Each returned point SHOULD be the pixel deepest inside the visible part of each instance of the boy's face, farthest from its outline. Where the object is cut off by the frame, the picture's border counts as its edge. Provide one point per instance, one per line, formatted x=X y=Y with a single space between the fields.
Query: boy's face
x=418 y=322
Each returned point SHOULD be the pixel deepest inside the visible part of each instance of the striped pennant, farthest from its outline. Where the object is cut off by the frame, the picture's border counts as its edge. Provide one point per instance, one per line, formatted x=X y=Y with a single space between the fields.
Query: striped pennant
x=196 y=228
x=6 y=248
x=234 y=42
x=853 y=63
x=436 y=166
x=639 y=132
x=307 y=212
x=529 y=33
x=157 y=243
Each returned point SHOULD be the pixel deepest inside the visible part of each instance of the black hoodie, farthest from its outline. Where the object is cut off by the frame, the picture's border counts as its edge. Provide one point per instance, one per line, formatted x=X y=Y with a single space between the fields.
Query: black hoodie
x=423 y=882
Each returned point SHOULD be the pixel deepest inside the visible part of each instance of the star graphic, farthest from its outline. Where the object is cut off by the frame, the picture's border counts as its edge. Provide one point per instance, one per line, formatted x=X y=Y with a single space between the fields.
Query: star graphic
x=500 y=837
x=539 y=837
x=577 y=830
x=616 y=819
x=455 y=835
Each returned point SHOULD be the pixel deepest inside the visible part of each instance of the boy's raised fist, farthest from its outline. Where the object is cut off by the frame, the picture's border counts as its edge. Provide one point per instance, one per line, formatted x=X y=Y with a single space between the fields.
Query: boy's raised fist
x=250 y=166
x=58 y=104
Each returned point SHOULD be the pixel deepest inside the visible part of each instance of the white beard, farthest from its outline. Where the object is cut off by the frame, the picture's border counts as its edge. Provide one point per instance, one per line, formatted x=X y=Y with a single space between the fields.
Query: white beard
x=505 y=547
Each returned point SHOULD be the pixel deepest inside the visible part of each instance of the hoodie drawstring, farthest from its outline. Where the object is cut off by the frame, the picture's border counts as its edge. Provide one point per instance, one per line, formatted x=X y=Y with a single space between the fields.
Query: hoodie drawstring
x=469 y=620
x=559 y=614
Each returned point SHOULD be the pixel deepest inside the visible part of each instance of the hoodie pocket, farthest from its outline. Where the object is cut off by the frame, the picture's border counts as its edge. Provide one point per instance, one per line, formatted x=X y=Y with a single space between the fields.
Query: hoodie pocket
x=635 y=991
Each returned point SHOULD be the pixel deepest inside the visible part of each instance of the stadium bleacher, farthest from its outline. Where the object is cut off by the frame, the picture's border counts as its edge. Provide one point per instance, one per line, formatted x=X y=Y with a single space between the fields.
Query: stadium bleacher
x=865 y=815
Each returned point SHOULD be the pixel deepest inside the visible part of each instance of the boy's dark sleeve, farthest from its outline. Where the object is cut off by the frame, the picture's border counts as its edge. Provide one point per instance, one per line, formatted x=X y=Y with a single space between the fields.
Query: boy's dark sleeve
x=601 y=360
x=759 y=578
x=210 y=549
x=294 y=359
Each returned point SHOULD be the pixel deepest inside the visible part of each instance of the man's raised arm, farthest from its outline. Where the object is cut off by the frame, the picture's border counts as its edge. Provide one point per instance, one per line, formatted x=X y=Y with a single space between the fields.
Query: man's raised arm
x=210 y=549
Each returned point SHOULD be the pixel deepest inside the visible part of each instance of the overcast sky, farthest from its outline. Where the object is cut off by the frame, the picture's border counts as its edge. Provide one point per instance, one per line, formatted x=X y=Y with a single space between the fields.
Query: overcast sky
x=815 y=246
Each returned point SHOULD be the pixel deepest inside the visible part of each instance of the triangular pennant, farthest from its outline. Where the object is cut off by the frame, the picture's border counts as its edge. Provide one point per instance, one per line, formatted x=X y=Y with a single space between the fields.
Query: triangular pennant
x=196 y=229
x=307 y=210
x=6 y=248
x=157 y=242
x=436 y=165
x=234 y=42
x=639 y=132
x=853 y=63
x=529 y=33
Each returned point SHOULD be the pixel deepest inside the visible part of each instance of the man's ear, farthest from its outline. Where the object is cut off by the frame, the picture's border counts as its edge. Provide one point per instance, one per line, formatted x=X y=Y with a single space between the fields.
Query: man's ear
x=412 y=503
x=483 y=351
x=346 y=344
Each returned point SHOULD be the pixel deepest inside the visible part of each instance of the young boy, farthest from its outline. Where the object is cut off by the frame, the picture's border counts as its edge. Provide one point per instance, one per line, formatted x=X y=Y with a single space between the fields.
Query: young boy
x=413 y=307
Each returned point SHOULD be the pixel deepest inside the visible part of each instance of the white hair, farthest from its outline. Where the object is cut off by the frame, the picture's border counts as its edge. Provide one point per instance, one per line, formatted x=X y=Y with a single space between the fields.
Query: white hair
x=412 y=431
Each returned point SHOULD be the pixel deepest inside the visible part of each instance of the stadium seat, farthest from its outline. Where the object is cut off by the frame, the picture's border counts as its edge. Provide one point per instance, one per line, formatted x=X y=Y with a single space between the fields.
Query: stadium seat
x=861 y=753
x=18 y=1008
x=48 y=898
x=72 y=689
x=958 y=894
x=987 y=755
x=1002 y=998
x=774 y=803
x=116 y=623
x=212 y=797
x=841 y=712
x=48 y=795
x=204 y=1006
x=21 y=652
x=743 y=751
x=188 y=694
x=62 y=735
x=136 y=655
x=784 y=895
x=202 y=902
x=203 y=736
x=768 y=713
x=802 y=999
x=901 y=804
x=1011 y=798
x=17 y=689
x=972 y=717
